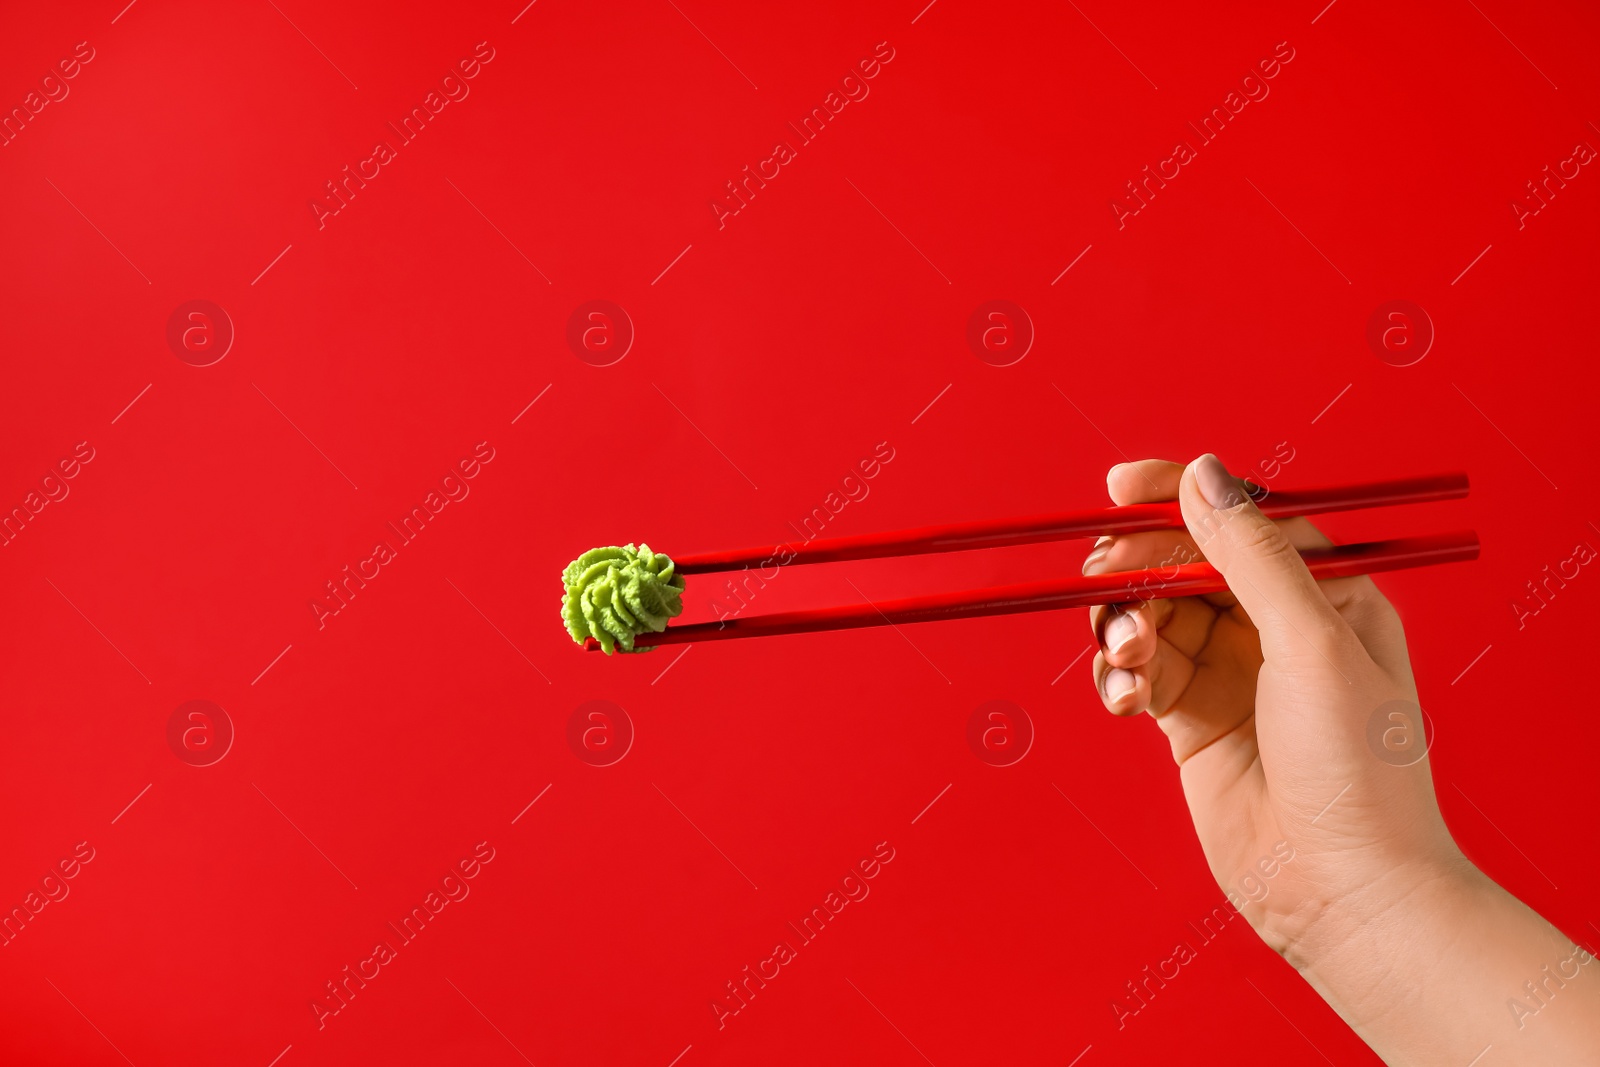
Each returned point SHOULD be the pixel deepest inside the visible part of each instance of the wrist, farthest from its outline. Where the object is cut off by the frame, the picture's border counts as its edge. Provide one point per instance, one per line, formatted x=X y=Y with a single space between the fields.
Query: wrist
x=1368 y=949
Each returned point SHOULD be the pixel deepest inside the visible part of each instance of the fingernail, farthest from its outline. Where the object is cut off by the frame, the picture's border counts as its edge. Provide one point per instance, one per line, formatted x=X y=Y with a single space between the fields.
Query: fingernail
x=1112 y=473
x=1216 y=484
x=1119 y=683
x=1093 y=562
x=1119 y=631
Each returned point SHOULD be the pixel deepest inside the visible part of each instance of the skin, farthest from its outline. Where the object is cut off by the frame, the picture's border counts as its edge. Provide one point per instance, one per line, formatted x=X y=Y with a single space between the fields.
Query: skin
x=1267 y=694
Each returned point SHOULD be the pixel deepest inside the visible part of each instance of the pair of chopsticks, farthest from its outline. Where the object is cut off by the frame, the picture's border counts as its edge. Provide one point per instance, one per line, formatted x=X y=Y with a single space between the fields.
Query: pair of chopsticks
x=1192 y=579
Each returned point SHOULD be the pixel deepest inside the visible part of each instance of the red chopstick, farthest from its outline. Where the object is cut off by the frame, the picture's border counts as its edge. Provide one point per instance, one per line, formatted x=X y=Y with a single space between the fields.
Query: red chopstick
x=1064 y=526
x=1193 y=579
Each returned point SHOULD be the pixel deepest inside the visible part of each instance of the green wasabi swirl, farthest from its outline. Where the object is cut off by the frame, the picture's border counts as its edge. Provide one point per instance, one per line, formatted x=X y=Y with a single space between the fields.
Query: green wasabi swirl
x=613 y=594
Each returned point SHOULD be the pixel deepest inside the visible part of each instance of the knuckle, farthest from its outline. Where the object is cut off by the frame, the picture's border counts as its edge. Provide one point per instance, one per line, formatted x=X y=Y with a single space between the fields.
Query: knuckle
x=1320 y=643
x=1379 y=617
x=1260 y=538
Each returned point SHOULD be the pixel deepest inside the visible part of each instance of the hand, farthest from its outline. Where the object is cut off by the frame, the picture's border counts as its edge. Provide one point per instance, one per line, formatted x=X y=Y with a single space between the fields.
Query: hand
x=1266 y=694
x=1293 y=717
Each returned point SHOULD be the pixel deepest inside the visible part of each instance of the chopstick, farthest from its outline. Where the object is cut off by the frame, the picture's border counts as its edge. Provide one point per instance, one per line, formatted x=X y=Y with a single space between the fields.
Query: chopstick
x=1064 y=526
x=1193 y=579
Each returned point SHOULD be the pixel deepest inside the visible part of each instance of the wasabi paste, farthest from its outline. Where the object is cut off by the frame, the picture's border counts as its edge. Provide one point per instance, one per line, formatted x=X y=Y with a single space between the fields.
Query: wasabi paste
x=613 y=594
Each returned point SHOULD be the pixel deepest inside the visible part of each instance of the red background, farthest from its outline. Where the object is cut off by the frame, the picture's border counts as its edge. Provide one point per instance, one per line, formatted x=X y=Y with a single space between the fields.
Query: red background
x=372 y=754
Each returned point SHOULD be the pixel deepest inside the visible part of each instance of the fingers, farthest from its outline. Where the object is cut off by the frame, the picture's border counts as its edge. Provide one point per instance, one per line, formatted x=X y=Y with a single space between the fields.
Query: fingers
x=1127 y=635
x=1195 y=708
x=1137 y=668
x=1141 y=482
x=1262 y=568
x=1194 y=662
x=1131 y=552
x=1183 y=622
x=1127 y=632
x=1358 y=599
x=1123 y=691
x=1154 y=685
x=1144 y=481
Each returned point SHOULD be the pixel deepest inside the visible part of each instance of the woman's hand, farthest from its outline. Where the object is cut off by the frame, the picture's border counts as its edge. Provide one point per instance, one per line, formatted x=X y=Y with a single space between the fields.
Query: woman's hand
x=1293 y=717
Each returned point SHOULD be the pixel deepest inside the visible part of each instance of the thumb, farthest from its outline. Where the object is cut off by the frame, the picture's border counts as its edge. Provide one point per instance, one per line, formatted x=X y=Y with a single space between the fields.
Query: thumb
x=1261 y=567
